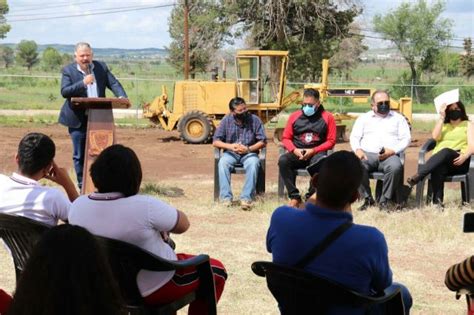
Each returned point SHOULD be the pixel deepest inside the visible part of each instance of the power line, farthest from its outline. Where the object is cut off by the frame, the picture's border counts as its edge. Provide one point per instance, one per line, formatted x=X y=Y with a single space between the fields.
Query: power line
x=90 y=11
x=36 y=7
x=112 y=11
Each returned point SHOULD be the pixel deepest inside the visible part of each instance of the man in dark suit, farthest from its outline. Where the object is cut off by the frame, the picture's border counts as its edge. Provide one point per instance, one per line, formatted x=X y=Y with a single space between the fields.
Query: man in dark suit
x=83 y=78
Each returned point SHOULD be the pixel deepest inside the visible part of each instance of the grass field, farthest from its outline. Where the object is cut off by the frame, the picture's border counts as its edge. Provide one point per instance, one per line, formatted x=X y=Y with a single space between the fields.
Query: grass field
x=143 y=80
x=423 y=243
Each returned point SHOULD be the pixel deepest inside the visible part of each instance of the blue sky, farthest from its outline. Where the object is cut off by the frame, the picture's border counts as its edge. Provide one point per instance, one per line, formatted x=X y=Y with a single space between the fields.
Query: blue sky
x=72 y=21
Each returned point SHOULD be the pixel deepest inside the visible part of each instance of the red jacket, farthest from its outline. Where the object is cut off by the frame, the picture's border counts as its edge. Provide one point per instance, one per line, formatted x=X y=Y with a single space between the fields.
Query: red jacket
x=316 y=132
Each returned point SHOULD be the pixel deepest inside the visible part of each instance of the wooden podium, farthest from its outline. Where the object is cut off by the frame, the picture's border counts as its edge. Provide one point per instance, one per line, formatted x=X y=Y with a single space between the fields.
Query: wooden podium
x=100 y=130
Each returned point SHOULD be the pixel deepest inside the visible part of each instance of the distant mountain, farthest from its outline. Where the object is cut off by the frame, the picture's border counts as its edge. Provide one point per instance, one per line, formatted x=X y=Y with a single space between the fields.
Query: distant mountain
x=107 y=52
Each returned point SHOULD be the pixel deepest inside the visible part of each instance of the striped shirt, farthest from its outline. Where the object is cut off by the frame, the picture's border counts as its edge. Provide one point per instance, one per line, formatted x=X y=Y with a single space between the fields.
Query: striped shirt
x=460 y=275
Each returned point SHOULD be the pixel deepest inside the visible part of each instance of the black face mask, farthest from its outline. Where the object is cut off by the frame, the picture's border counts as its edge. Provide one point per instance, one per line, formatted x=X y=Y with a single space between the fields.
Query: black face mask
x=454 y=114
x=383 y=107
x=242 y=116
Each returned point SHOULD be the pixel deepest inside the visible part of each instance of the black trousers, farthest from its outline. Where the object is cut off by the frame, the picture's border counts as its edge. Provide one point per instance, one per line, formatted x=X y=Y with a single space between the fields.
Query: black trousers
x=288 y=164
x=439 y=166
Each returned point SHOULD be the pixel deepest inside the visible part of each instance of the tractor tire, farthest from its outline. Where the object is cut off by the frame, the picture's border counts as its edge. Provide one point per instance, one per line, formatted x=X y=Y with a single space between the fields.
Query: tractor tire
x=195 y=127
x=406 y=118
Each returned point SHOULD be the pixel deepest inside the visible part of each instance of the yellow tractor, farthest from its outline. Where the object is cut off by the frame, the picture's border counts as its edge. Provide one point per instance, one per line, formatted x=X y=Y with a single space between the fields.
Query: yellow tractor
x=198 y=106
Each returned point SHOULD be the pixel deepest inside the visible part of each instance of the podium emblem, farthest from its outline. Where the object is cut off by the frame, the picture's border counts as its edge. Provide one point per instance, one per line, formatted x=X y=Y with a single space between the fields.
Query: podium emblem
x=99 y=140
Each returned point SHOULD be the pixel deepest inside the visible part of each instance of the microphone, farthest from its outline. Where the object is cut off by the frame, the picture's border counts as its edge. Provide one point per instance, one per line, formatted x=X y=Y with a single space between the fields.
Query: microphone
x=89 y=68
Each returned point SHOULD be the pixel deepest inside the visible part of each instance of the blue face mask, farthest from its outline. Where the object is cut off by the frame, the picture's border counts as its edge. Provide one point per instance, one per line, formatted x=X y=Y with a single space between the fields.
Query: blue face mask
x=308 y=109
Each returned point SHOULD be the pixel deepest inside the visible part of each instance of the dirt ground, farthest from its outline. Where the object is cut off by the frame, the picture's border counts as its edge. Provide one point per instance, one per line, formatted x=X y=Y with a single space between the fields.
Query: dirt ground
x=162 y=154
x=419 y=240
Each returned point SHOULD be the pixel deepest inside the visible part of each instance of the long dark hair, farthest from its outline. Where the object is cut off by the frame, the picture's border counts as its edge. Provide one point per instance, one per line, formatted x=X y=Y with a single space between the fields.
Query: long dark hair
x=67 y=273
x=461 y=108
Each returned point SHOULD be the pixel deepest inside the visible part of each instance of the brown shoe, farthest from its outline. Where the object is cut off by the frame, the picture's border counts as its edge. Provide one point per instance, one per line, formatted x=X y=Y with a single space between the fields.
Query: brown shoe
x=295 y=203
x=246 y=205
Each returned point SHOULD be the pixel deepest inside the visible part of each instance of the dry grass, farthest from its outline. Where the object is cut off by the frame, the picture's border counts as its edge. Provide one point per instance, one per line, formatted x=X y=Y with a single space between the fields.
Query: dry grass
x=423 y=244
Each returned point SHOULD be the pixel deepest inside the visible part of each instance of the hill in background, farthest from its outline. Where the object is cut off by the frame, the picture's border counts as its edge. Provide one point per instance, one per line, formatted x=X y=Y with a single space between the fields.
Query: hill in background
x=144 y=53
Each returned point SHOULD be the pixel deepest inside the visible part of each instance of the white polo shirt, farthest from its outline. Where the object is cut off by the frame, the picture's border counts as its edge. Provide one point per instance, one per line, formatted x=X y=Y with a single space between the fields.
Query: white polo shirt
x=372 y=132
x=137 y=220
x=25 y=197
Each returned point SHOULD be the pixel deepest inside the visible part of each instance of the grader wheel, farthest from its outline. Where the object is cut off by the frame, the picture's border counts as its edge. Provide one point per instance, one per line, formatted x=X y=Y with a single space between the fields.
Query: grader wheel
x=195 y=127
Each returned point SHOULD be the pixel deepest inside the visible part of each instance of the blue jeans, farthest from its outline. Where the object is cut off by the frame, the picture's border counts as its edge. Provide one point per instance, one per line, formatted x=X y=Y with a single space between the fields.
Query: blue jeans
x=251 y=164
x=78 y=136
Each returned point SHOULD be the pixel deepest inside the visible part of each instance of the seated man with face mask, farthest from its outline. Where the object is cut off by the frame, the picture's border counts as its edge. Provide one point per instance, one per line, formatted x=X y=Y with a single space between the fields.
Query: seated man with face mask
x=308 y=135
x=377 y=138
x=241 y=135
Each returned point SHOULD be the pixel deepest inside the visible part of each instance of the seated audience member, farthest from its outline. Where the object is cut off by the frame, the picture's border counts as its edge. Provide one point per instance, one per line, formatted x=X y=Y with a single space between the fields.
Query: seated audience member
x=452 y=154
x=357 y=259
x=308 y=135
x=5 y=301
x=241 y=135
x=117 y=211
x=21 y=194
x=460 y=275
x=67 y=273
x=377 y=138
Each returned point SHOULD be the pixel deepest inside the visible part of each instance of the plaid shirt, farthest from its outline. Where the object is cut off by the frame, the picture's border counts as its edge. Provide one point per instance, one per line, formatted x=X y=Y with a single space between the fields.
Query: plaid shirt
x=250 y=132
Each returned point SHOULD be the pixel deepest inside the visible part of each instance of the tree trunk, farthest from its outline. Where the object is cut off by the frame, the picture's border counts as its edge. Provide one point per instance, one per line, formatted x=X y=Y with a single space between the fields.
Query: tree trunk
x=414 y=81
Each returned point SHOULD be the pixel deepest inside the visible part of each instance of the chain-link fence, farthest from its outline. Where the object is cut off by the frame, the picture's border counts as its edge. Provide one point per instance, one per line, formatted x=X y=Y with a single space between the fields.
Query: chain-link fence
x=43 y=92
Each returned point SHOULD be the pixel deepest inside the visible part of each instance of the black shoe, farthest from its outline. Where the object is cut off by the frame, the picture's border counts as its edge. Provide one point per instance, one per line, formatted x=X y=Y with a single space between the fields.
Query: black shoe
x=383 y=206
x=412 y=181
x=368 y=202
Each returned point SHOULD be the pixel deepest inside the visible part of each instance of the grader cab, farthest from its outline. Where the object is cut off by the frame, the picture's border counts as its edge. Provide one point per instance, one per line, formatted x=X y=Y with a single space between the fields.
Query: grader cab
x=198 y=106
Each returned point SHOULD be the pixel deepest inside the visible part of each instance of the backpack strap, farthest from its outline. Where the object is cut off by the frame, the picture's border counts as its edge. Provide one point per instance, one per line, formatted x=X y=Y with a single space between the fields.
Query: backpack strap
x=321 y=247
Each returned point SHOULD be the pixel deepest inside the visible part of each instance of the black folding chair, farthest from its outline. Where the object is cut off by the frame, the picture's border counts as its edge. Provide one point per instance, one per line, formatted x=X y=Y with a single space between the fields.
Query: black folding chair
x=127 y=260
x=20 y=234
x=298 y=291
x=463 y=179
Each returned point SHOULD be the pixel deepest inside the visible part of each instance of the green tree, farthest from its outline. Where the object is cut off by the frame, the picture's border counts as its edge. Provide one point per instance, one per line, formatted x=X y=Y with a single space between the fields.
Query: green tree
x=27 y=53
x=348 y=55
x=51 y=59
x=419 y=33
x=208 y=30
x=4 y=27
x=467 y=59
x=309 y=30
x=448 y=63
x=66 y=59
x=7 y=56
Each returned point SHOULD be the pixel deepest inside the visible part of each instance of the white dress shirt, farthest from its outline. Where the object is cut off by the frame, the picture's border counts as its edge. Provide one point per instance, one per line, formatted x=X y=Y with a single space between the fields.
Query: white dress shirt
x=372 y=132
x=91 y=88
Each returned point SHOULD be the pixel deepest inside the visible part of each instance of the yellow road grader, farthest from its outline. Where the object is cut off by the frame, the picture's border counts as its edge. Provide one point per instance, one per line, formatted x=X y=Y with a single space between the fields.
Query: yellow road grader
x=198 y=106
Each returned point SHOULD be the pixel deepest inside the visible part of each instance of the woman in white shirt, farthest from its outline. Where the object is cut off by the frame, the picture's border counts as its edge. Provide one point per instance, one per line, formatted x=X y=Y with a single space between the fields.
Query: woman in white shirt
x=117 y=211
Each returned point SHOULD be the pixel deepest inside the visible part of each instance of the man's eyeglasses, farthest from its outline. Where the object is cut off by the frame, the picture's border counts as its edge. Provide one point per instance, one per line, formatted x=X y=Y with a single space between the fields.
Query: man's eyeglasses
x=383 y=103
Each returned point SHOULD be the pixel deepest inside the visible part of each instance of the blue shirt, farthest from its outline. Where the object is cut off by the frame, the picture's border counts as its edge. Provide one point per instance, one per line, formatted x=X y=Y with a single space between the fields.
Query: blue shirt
x=248 y=133
x=358 y=259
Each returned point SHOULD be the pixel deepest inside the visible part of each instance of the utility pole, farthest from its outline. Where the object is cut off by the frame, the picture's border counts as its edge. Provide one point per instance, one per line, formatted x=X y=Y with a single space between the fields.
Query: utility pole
x=186 y=40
